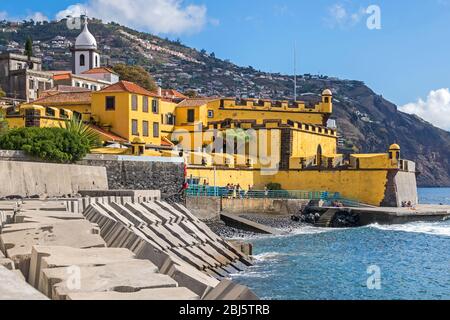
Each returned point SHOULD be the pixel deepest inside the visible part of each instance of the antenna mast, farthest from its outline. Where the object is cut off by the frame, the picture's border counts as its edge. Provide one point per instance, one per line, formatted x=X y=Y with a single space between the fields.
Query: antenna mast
x=295 y=71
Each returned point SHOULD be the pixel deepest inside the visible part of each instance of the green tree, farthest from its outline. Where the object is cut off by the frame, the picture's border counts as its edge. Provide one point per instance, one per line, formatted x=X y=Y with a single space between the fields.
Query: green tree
x=29 y=48
x=3 y=124
x=191 y=93
x=136 y=74
x=2 y=93
x=49 y=144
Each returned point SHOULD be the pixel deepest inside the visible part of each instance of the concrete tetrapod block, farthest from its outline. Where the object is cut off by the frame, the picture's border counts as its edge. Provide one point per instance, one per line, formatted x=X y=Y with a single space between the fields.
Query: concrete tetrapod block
x=128 y=214
x=159 y=212
x=228 y=290
x=13 y=287
x=146 y=294
x=27 y=216
x=174 y=212
x=188 y=276
x=77 y=234
x=143 y=213
x=7 y=263
x=129 y=276
x=189 y=239
x=43 y=205
x=166 y=235
x=46 y=257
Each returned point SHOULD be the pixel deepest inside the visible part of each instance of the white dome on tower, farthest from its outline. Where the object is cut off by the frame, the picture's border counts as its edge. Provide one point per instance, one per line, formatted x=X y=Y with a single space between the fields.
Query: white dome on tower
x=86 y=40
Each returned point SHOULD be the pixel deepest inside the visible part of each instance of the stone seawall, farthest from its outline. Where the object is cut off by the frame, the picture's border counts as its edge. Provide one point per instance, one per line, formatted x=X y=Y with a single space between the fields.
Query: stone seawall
x=32 y=179
x=209 y=208
x=142 y=173
x=123 y=172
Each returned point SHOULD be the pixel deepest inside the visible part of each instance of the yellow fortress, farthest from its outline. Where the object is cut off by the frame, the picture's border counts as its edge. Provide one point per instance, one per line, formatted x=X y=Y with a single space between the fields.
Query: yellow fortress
x=250 y=142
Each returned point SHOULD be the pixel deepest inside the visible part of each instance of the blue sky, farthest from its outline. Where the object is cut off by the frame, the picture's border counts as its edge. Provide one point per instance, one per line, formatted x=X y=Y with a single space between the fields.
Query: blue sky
x=404 y=61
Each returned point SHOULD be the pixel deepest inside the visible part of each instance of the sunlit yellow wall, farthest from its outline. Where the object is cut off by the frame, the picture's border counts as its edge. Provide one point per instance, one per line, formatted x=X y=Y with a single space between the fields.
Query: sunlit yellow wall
x=250 y=111
x=18 y=121
x=83 y=109
x=166 y=107
x=367 y=186
x=260 y=116
x=201 y=115
x=305 y=144
x=121 y=118
x=372 y=161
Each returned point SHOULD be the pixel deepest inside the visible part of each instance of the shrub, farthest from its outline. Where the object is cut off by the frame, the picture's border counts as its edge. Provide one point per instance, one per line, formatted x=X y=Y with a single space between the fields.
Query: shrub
x=274 y=187
x=50 y=144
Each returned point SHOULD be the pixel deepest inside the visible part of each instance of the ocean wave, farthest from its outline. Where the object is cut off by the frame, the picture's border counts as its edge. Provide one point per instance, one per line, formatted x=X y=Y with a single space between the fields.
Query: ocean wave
x=430 y=228
x=304 y=230
x=269 y=256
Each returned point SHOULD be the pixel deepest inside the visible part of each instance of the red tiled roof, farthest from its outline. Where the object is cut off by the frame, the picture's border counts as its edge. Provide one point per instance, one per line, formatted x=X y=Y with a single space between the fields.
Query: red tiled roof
x=65 y=98
x=99 y=70
x=126 y=86
x=173 y=93
x=195 y=102
x=108 y=135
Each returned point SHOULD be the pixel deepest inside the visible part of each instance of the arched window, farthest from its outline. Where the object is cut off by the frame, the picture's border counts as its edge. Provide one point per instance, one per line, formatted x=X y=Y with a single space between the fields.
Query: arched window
x=96 y=61
x=82 y=60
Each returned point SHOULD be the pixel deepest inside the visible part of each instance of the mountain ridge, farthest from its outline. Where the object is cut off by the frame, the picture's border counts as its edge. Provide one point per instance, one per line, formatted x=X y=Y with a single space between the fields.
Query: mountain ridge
x=367 y=121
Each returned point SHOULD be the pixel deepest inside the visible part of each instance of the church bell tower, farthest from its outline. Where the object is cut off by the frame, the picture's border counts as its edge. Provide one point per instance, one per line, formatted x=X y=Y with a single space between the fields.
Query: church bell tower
x=85 y=55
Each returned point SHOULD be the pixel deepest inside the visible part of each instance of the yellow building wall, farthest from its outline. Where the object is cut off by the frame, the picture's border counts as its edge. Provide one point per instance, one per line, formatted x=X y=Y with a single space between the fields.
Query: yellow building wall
x=250 y=112
x=84 y=109
x=373 y=161
x=366 y=186
x=119 y=119
x=305 y=144
x=166 y=107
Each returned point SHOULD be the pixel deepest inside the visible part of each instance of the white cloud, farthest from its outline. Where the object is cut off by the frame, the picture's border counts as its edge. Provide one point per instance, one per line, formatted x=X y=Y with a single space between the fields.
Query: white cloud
x=435 y=109
x=157 y=16
x=3 y=15
x=37 y=17
x=340 y=16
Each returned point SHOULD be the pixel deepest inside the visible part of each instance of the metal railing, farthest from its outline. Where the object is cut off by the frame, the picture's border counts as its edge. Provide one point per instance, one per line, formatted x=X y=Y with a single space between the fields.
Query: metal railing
x=207 y=191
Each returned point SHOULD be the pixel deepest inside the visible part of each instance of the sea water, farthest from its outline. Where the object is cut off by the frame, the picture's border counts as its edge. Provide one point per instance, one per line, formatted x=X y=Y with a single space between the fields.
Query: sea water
x=410 y=261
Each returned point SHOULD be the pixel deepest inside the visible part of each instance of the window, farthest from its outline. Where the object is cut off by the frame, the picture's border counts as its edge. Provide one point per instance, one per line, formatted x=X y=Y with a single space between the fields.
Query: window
x=155 y=106
x=110 y=104
x=134 y=127
x=155 y=129
x=145 y=104
x=31 y=84
x=134 y=102
x=210 y=114
x=145 y=128
x=327 y=99
x=82 y=60
x=170 y=119
x=77 y=84
x=190 y=115
x=96 y=61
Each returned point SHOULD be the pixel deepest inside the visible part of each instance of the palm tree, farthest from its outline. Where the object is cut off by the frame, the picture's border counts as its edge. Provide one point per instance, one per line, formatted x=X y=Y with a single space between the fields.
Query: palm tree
x=77 y=127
